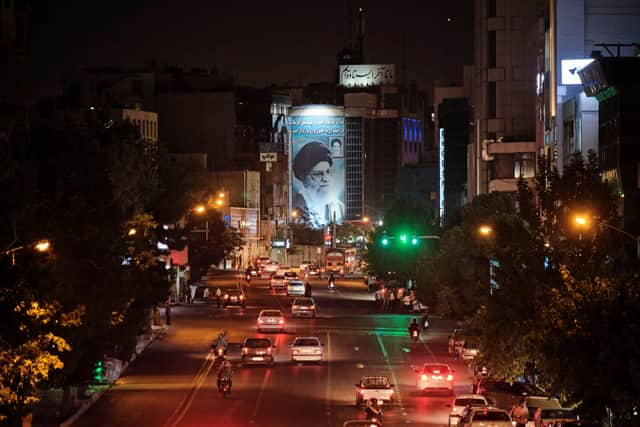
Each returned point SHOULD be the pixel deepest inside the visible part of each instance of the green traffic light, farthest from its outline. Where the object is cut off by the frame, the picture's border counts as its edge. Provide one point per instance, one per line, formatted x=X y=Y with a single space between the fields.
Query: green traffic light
x=385 y=241
x=98 y=371
x=403 y=238
x=414 y=241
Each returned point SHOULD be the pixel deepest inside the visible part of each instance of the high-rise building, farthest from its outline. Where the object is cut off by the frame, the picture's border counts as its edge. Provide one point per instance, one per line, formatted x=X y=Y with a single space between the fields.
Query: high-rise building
x=503 y=145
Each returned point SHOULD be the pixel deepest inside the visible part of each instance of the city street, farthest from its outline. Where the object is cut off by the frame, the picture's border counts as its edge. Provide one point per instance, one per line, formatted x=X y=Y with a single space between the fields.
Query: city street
x=174 y=383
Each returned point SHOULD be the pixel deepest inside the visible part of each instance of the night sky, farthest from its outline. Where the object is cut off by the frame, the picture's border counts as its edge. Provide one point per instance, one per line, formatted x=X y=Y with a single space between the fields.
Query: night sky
x=257 y=42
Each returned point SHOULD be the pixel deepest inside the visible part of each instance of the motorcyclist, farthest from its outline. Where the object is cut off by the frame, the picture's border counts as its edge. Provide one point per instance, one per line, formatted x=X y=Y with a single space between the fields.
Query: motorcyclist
x=373 y=409
x=425 y=320
x=414 y=327
x=332 y=280
x=220 y=342
x=224 y=371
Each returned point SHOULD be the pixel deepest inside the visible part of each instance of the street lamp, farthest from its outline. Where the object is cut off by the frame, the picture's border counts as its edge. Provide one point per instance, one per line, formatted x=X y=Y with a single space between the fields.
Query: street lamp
x=485 y=230
x=43 y=246
x=582 y=221
x=200 y=210
x=132 y=232
x=365 y=219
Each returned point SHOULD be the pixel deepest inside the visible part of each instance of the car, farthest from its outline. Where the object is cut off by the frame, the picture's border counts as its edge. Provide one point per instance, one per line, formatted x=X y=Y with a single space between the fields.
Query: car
x=254 y=271
x=306 y=349
x=262 y=261
x=378 y=387
x=290 y=275
x=270 y=268
x=555 y=416
x=270 y=320
x=314 y=270
x=486 y=416
x=278 y=283
x=257 y=350
x=234 y=297
x=460 y=402
x=470 y=350
x=283 y=269
x=303 y=307
x=305 y=264
x=456 y=342
x=296 y=288
x=434 y=376
x=542 y=402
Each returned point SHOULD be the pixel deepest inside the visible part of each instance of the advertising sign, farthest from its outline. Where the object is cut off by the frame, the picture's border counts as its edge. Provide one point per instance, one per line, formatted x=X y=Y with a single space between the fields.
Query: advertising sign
x=317 y=164
x=367 y=75
x=268 y=157
x=570 y=68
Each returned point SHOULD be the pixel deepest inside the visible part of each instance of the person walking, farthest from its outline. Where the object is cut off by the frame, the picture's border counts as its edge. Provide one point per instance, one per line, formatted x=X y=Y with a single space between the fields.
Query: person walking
x=520 y=413
x=167 y=313
x=392 y=300
x=205 y=294
x=218 y=296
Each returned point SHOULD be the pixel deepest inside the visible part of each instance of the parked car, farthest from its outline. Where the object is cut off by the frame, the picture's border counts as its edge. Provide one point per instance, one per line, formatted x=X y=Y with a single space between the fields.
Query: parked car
x=303 y=307
x=257 y=350
x=295 y=288
x=306 y=349
x=378 y=387
x=270 y=320
x=485 y=417
x=278 y=283
x=434 y=376
x=234 y=297
x=552 y=416
x=460 y=402
x=470 y=350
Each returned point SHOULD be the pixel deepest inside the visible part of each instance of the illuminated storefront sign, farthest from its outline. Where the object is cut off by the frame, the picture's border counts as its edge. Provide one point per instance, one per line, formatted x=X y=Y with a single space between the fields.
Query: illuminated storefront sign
x=569 y=70
x=367 y=75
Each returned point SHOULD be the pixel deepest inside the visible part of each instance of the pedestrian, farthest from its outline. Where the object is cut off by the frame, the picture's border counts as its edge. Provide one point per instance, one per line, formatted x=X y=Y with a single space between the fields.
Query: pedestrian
x=392 y=300
x=167 y=313
x=537 y=418
x=307 y=290
x=218 y=296
x=385 y=299
x=520 y=413
x=205 y=294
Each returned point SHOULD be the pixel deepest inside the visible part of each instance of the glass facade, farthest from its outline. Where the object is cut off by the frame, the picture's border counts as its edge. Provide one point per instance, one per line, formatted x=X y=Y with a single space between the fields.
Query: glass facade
x=353 y=168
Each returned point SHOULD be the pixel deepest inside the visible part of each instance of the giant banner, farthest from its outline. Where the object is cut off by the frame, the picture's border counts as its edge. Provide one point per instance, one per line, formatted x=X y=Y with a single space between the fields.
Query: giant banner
x=317 y=164
x=365 y=75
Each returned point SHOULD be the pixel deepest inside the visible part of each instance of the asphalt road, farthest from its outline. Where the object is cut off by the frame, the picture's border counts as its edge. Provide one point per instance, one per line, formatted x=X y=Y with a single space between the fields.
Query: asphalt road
x=173 y=383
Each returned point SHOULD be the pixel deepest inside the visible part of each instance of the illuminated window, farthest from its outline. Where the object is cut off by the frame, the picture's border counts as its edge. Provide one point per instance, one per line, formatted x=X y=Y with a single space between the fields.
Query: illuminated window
x=524 y=165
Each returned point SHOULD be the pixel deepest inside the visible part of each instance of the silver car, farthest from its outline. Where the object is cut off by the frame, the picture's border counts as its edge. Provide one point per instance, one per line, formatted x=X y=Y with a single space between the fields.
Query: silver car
x=270 y=320
x=303 y=307
x=306 y=349
x=462 y=401
x=295 y=288
x=278 y=283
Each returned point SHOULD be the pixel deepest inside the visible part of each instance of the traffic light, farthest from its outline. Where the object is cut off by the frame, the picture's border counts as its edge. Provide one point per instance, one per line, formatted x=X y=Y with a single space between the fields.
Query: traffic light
x=98 y=371
x=414 y=241
x=403 y=238
x=385 y=241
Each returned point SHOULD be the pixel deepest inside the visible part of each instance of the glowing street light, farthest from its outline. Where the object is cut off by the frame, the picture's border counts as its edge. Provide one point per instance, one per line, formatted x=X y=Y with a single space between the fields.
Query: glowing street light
x=581 y=220
x=221 y=195
x=485 y=230
x=200 y=209
x=294 y=213
x=365 y=219
x=132 y=232
x=219 y=202
x=43 y=246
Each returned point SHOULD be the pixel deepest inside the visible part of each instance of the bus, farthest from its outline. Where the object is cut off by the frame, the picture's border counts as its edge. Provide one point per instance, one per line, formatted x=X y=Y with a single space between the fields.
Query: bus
x=334 y=261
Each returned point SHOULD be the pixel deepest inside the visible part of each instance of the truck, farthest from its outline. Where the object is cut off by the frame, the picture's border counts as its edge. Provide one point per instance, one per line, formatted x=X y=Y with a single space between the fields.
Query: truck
x=378 y=387
x=334 y=261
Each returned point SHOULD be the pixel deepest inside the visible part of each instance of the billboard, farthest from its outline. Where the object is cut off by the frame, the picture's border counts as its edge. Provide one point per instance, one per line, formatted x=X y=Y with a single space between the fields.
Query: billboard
x=365 y=75
x=317 y=164
x=569 y=70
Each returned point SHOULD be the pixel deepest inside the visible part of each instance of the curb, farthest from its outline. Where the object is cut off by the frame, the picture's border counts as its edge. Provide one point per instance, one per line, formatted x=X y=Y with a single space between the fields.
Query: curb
x=97 y=395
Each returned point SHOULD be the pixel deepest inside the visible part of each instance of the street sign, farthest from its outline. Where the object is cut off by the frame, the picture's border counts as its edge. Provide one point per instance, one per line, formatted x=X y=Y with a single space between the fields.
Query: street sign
x=268 y=157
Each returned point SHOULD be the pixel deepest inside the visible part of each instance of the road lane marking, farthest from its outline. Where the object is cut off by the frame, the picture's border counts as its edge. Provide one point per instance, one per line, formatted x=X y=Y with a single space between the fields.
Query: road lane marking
x=197 y=382
x=263 y=387
x=393 y=374
x=433 y=356
x=328 y=392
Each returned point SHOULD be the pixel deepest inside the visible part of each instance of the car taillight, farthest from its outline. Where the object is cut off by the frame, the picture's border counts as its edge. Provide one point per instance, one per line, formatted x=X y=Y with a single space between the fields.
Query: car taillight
x=424 y=377
x=361 y=391
x=392 y=391
x=260 y=321
x=281 y=321
x=449 y=377
x=268 y=350
x=226 y=296
x=220 y=351
x=245 y=350
x=241 y=296
x=295 y=351
x=313 y=307
x=294 y=306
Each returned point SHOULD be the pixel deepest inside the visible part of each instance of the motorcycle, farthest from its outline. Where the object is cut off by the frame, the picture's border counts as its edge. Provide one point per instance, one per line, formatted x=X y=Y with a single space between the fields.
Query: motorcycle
x=224 y=386
x=374 y=417
x=220 y=353
x=247 y=278
x=415 y=335
x=332 y=285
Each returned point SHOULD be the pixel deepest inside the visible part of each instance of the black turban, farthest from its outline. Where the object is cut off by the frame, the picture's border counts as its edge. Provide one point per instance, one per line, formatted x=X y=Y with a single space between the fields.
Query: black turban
x=309 y=156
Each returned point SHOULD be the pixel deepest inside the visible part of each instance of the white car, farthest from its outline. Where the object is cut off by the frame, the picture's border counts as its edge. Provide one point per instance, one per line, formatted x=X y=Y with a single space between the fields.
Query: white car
x=295 y=288
x=290 y=275
x=270 y=269
x=434 y=376
x=306 y=349
x=460 y=402
x=486 y=417
x=283 y=269
x=303 y=307
x=278 y=283
x=270 y=320
x=305 y=265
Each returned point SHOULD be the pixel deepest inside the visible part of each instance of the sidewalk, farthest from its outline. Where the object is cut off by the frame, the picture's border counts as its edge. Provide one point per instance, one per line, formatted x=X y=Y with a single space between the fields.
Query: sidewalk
x=47 y=412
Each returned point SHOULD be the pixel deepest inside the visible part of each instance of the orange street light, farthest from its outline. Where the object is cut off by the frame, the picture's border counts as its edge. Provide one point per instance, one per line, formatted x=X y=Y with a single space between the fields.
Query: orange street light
x=294 y=213
x=219 y=202
x=43 y=246
x=200 y=209
x=485 y=230
x=581 y=220
x=221 y=195
x=365 y=219
x=132 y=232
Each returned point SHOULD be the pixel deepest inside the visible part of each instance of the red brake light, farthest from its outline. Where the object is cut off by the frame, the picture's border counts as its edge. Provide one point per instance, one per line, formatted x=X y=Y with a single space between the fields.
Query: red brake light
x=281 y=321
x=245 y=350
x=268 y=350
x=449 y=377
x=318 y=352
x=260 y=321
x=313 y=307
